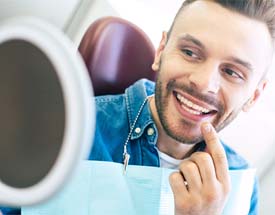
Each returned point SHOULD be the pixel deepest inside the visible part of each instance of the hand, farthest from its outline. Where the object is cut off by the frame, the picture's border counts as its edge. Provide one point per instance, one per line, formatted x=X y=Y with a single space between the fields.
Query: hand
x=207 y=178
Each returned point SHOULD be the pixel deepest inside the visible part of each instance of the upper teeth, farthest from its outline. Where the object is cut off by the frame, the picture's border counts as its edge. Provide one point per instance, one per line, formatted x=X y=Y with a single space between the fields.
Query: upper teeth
x=190 y=104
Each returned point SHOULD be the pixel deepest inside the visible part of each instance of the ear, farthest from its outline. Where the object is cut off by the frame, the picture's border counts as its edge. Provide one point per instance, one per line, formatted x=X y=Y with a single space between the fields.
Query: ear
x=256 y=95
x=156 y=63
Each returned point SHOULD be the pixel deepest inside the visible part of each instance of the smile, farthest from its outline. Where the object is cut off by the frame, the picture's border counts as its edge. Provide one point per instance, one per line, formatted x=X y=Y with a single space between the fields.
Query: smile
x=191 y=107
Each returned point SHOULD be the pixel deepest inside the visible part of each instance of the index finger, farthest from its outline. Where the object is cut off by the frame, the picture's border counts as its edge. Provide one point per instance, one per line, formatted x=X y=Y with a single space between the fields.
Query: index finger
x=216 y=150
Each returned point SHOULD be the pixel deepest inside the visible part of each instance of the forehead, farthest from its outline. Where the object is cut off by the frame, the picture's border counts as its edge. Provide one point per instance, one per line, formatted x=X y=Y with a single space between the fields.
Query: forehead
x=217 y=27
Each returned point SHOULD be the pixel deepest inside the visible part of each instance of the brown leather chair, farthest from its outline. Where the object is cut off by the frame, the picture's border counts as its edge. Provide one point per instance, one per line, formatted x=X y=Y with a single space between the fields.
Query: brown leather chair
x=116 y=53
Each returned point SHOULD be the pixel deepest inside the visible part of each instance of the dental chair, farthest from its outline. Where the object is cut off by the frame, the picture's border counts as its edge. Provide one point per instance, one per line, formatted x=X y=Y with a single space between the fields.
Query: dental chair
x=117 y=53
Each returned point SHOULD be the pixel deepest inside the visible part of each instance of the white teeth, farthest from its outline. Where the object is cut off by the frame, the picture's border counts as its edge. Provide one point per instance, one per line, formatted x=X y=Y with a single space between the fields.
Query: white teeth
x=191 y=111
x=196 y=109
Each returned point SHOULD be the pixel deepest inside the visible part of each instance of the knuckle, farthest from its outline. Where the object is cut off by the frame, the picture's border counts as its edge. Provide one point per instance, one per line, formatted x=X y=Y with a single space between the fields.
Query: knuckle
x=201 y=157
x=183 y=164
x=197 y=155
x=189 y=166
x=212 y=138
x=212 y=197
x=174 y=177
x=220 y=157
x=175 y=180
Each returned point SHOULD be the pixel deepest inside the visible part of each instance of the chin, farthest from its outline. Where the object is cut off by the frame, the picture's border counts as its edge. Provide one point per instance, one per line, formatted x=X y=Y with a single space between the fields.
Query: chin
x=190 y=137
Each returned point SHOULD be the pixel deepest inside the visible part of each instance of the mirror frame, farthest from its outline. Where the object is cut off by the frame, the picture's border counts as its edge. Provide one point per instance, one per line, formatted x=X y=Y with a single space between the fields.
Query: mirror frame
x=79 y=106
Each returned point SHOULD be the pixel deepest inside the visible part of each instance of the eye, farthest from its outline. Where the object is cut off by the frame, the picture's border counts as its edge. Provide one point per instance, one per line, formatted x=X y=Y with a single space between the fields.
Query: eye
x=233 y=74
x=190 y=54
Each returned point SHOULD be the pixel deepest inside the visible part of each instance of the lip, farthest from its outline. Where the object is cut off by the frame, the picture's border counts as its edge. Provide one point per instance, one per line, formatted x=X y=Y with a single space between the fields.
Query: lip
x=189 y=116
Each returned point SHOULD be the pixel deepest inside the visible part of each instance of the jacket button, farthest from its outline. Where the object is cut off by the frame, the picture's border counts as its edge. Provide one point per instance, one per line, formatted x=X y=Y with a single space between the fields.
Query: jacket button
x=137 y=130
x=150 y=131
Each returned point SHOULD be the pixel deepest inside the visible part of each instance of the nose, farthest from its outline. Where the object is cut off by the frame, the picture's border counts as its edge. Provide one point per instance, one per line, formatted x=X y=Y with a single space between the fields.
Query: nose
x=206 y=78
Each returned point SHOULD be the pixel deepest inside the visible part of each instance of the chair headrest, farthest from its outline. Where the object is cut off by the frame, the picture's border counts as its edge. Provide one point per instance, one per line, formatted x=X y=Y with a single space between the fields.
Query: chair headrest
x=117 y=53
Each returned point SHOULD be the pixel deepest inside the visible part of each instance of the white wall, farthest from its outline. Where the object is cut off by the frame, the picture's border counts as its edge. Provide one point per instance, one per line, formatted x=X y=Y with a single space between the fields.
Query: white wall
x=153 y=16
x=87 y=13
x=57 y=12
x=267 y=190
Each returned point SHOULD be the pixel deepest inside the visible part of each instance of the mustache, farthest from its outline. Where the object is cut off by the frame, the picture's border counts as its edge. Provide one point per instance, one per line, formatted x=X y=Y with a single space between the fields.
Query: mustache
x=211 y=100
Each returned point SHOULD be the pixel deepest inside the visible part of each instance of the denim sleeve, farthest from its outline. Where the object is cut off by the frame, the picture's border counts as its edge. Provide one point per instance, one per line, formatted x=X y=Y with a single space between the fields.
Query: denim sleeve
x=254 y=200
x=10 y=211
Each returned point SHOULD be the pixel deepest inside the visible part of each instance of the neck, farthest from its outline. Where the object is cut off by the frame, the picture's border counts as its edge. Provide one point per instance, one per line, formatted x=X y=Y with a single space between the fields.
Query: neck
x=165 y=143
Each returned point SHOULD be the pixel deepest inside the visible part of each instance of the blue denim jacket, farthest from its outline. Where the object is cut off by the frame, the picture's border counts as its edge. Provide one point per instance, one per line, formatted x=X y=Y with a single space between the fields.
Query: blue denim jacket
x=116 y=115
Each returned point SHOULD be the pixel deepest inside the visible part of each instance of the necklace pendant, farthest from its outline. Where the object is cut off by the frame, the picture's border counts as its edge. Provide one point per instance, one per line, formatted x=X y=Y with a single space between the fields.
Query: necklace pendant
x=126 y=158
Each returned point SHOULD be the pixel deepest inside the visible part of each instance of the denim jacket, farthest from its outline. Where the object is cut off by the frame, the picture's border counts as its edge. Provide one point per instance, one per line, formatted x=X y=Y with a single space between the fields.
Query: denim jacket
x=115 y=117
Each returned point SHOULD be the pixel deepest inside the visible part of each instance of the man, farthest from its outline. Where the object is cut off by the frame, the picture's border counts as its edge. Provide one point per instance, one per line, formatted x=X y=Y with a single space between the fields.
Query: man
x=211 y=65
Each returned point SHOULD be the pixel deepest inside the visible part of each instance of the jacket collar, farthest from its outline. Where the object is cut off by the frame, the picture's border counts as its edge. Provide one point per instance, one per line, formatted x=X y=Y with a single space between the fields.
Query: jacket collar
x=136 y=95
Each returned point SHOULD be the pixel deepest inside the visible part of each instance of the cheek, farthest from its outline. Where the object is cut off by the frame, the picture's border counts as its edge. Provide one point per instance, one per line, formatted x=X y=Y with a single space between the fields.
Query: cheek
x=233 y=100
x=175 y=68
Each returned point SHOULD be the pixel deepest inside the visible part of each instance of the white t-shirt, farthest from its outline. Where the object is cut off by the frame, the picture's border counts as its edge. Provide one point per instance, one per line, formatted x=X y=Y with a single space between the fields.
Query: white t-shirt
x=166 y=199
x=167 y=161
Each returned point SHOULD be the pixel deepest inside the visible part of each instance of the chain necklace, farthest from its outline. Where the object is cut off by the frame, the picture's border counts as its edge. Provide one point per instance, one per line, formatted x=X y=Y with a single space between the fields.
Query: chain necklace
x=126 y=155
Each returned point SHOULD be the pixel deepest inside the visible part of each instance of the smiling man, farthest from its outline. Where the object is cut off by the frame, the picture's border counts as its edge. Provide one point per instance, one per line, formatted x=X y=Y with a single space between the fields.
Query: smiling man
x=211 y=65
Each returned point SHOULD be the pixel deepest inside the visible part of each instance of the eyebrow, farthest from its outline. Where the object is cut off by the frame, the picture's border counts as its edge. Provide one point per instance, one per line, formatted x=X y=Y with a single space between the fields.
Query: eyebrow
x=189 y=38
x=241 y=62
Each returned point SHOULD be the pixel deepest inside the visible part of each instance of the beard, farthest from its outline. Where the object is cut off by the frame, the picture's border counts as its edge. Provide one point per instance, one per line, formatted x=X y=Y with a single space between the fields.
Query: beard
x=181 y=131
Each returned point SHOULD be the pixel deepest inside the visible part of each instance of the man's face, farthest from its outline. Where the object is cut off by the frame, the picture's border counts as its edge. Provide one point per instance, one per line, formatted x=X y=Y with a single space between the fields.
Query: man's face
x=209 y=70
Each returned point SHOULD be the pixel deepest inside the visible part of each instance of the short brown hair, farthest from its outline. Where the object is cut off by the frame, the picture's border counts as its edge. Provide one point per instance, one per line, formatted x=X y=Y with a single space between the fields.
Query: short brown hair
x=261 y=10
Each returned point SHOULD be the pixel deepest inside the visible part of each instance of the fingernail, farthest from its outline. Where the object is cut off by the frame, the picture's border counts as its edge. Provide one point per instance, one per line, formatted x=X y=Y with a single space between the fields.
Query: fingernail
x=207 y=127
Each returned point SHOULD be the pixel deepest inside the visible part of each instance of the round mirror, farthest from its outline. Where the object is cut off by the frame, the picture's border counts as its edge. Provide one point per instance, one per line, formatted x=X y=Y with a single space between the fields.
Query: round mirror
x=46 y=111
